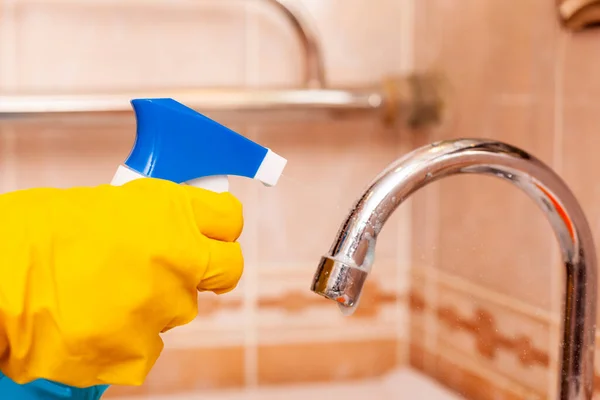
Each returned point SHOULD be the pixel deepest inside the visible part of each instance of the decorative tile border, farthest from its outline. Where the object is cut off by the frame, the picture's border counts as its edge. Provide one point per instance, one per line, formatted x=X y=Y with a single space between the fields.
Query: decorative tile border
x=484 y=328
x=294 y=301
x=208 y=306
x=501 y=337
x=373 y=299
x=498 y=340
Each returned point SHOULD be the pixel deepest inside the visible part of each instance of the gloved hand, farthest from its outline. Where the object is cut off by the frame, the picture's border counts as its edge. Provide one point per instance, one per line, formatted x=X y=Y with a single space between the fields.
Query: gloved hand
x=89 y=277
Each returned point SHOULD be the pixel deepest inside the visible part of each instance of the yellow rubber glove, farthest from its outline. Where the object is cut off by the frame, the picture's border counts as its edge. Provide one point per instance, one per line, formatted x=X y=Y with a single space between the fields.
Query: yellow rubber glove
x=89 y=277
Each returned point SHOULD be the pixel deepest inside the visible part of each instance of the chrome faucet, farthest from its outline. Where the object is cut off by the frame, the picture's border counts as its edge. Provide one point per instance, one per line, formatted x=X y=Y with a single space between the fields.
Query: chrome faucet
x=342 y=272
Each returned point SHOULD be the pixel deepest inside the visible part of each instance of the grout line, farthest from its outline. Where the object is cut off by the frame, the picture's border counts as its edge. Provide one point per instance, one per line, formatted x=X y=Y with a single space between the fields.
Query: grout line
x=251 y=77
x=557 y=164
x=403 y=260
x=404 y=224
x=251 y=304
x=431 y=287
x=252 y=47
x=432 y=220
x=231 y=336
x=407 y=36
x=403 y=278
x=557 y=154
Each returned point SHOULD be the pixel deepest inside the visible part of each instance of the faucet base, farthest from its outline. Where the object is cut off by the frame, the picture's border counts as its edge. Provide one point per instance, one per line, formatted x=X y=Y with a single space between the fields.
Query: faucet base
x=338 y=281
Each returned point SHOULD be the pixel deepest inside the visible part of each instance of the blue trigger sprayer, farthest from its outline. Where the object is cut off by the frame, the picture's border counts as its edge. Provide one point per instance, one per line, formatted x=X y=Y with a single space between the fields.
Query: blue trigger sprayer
x=173 y=142
x=179 y=144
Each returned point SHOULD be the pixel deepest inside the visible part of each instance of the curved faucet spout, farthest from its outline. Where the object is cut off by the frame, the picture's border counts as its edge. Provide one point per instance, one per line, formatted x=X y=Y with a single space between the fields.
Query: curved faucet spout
x=343 y=271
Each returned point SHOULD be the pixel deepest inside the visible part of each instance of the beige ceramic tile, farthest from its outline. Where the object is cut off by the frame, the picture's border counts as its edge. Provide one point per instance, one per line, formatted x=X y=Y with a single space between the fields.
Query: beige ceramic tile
x=419 y=305
x=581 y=61
x=8 y=48
x=429 y=25
x=520 y=43
x=489 y=68
x=325 y=361
x=417 y=358
x=491 y=232
x=507 y=47
x=509 y=343
x=464 y=66
x=580 y=159
x=424 y=212
x=7 y=159
x=424 y=324
x=425 y=215
x=329 y=165
x=83 y=46
x=65 y=155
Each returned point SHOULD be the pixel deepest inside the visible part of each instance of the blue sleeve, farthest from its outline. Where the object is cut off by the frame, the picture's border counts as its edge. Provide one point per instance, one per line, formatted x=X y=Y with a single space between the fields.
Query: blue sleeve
x=41 y=389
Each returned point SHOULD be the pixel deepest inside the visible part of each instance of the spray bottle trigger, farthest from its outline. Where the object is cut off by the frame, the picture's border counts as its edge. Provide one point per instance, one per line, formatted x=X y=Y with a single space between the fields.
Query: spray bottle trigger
x=215 y=183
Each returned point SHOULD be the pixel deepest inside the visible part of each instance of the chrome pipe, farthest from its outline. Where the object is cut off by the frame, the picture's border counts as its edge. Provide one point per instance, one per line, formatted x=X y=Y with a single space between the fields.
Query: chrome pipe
x=203 y=99
x=314 y=66
x=341 y=274
x=416 y=99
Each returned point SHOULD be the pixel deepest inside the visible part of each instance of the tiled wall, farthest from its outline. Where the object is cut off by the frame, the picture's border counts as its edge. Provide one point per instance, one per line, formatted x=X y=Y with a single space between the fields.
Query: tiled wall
x=271 y=329
x=486 y=282
x=485 y=303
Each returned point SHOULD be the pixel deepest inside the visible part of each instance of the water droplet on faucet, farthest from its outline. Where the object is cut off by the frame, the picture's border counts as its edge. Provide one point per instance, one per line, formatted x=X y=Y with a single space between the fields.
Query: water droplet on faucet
x=347 y=310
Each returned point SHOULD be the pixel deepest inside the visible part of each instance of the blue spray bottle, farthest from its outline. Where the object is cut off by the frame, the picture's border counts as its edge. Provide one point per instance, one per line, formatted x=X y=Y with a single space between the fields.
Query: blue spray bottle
x=175 y=143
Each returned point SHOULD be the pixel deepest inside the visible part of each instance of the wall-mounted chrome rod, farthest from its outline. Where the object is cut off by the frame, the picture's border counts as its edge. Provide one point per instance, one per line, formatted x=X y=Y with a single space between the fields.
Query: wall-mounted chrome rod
x=204 y=99
x=414 y=98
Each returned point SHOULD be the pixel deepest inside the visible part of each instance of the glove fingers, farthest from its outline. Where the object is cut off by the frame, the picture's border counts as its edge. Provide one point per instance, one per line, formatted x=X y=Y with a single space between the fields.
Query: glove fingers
x=218 y=215
x=224 y=268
